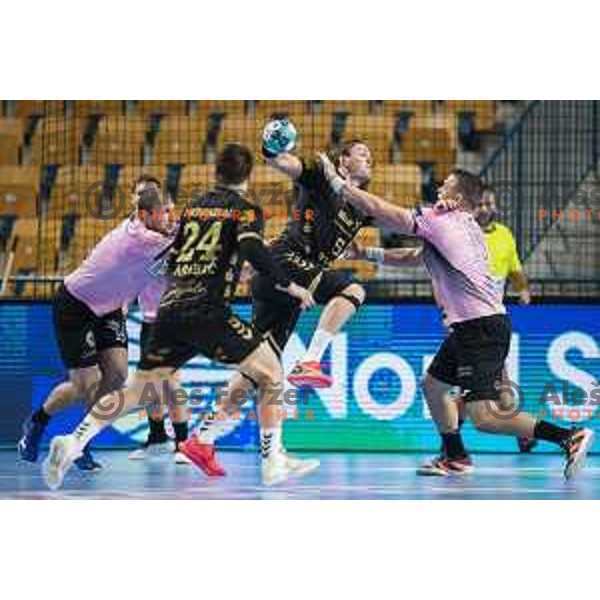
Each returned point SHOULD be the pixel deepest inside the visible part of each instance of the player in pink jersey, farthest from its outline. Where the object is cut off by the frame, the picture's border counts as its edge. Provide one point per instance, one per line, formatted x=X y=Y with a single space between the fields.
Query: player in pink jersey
x=472 y=356
x=88 y=312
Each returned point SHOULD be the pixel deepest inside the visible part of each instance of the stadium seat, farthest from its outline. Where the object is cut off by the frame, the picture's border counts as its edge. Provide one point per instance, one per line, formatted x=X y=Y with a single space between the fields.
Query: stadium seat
x=353 y=107
x=245 y=130
x=26 y=254
x=314 y=134
x=31 y=108
x=206 y=107
x=49 y=246
x=416 y=107
x=78 y=191
x=484 y=111
x=163 y=107
x=19 y=187
x=56 y=141
x=119 y=140
x=430 y=139
x=11 y=137
x=180 y=140
x=376 y=131
x=400 y=184
x=85 y=108
x=292 y=108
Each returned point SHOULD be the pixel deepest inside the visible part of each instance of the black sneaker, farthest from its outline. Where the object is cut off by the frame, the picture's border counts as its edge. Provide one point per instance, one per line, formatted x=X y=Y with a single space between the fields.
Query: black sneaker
x=87 y=462
x=29 y=445
x=576 y=447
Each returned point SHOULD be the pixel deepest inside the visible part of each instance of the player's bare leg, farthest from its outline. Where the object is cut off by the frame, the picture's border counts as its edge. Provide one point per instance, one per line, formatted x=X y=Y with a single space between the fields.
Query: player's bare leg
x=337 y=312
x=488 y=416
x=158 y=442
x=82 y=382
x=64 y=450
x=261 y=370
x=454 y=458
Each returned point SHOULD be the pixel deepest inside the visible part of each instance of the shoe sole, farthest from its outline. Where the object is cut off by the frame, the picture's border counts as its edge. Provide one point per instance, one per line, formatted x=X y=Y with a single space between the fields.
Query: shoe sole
x=580 y=457
x=291 y=473
x=305 y=381
x=55 y=466
x=435 y=472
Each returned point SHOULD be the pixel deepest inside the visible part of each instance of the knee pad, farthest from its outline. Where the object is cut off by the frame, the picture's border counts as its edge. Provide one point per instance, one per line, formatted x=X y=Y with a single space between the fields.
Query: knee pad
x=352 y=299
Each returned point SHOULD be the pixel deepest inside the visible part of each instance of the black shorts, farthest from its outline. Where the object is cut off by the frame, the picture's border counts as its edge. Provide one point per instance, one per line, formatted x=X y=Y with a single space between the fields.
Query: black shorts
x=185 y=329
x=145 y=335
x=473 y=355
x=81 y=334
x=276 y=313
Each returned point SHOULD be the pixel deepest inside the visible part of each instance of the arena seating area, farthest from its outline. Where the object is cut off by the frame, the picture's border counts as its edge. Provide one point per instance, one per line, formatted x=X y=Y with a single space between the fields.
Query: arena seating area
x=66 y=166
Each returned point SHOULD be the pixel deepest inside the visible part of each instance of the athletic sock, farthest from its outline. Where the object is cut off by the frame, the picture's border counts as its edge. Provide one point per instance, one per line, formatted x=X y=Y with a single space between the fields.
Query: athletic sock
x=453 y=445
x=157 y=430
x=181 y=432
x=320 y=340
x=549 y=432
x=41 y=417
x=270 y=441
x=86 y=430
x=212 y=429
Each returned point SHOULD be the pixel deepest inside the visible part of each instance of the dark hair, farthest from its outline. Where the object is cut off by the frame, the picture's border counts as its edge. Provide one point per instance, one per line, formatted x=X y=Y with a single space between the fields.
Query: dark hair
x=149 y=200
x=145 y=178
x=234 y=164
x=469 y=185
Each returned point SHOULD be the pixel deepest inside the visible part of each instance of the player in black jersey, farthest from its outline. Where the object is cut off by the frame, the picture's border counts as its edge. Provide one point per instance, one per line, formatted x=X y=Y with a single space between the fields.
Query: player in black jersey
x=326 y=226
x=218 y=231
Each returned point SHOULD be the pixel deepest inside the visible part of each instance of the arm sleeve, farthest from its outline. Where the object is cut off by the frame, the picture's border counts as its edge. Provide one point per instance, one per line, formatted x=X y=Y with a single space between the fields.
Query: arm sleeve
x=254 y=251
x=252 y=247
x=312 y=175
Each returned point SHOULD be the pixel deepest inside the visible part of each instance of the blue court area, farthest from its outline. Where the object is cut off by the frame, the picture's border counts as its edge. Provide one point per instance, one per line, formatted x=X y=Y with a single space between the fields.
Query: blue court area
x=342 y=476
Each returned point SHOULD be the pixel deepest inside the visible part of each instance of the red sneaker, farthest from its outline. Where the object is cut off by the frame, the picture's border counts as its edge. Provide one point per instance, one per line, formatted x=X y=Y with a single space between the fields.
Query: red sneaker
x=442 y=466
x=309 y=374
x=203 y=456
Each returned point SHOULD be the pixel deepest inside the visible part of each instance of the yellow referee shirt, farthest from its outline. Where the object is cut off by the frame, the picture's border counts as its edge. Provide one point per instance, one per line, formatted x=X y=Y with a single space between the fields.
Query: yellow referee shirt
x=502 y=251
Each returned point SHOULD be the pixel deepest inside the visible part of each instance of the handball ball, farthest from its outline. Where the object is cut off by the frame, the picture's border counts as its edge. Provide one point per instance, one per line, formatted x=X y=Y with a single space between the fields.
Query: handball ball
x=279 y=136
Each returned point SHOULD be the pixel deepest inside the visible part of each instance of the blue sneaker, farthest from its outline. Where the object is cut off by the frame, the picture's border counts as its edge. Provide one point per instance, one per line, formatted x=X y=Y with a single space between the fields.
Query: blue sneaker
x=86 y=462
x=29 y=445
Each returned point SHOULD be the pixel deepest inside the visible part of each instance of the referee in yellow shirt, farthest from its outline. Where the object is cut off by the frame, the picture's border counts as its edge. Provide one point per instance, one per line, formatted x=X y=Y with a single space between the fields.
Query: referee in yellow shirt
x=502 y=248
x=504 y=263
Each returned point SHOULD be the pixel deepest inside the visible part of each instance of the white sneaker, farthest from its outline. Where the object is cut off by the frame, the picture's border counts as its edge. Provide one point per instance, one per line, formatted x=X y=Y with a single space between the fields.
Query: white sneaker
x=576 y=448
x=279 y=467
x=64 y=449
x=302 y=466
x=147 y=450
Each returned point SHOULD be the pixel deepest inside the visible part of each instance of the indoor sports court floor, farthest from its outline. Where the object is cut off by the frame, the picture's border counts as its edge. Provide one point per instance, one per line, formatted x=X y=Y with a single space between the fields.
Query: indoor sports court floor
x=342 y=476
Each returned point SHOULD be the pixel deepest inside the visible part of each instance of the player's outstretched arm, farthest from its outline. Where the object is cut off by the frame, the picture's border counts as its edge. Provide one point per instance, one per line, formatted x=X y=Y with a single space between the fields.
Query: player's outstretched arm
x=394 y=217
x=396 y=257
x=278 y=139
